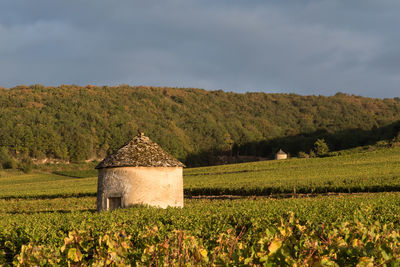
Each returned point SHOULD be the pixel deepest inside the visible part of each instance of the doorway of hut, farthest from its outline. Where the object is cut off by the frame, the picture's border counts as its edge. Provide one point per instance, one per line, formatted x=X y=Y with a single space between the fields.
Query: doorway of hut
x=113 y=203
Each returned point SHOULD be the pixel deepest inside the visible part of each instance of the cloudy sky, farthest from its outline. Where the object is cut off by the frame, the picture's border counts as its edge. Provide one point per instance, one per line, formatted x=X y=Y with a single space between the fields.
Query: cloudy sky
x=304 y=47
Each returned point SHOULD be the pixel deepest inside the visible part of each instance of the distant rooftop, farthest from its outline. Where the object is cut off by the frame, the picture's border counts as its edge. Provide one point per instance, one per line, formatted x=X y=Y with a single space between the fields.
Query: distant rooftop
x=140 y=152
x=281 y=152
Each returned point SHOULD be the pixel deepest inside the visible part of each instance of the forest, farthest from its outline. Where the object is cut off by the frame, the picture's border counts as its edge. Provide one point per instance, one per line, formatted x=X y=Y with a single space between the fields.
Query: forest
x=76 y=123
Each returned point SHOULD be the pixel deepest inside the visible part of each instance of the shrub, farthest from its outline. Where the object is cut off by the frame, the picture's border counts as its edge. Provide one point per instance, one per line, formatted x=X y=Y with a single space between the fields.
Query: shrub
x=382 y=144
x=397 y=138
x=6 y=161
x=302 y=154
x=321 y=148
x=25 y=164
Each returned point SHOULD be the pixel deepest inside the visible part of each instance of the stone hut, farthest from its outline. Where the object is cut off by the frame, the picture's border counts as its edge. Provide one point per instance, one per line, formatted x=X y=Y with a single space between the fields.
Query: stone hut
x=280 y=155
x=140 y=172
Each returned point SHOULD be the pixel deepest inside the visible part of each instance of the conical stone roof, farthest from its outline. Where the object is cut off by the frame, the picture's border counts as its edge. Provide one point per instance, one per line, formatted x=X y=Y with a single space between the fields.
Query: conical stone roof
x=281 y=152
x=140 y=152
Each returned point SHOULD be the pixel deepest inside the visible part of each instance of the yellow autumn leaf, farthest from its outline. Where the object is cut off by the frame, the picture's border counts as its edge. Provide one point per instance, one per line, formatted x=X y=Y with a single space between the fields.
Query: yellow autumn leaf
x=260 y=254
x=365 y=261
x=74 y=254
x=341 y=243
x=356 y=243
x=203 y=253
x=274 y=246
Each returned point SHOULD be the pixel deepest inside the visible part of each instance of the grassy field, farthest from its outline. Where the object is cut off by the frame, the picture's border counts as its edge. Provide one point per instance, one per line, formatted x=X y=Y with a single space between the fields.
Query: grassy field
x=48 y=217
x=39 y=184
x=362 y=172
x=377 y=171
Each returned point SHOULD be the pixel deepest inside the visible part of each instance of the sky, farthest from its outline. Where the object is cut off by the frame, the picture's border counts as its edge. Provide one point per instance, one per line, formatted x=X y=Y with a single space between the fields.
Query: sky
x=306 y=47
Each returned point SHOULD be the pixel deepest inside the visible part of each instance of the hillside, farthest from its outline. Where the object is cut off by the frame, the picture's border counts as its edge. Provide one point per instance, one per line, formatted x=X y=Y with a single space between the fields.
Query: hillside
x=79 y=123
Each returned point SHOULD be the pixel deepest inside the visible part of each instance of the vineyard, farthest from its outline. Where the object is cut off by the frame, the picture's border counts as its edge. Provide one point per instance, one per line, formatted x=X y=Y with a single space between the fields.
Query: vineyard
x=377 y=171
x=50 y=218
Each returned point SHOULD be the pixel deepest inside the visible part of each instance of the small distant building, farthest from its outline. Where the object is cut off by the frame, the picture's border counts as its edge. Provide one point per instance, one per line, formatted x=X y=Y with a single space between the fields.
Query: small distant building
x=280 y=155
x=140 y=172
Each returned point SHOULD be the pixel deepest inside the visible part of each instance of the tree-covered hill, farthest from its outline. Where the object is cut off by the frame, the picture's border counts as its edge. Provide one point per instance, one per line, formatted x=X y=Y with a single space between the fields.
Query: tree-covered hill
x=77 y=123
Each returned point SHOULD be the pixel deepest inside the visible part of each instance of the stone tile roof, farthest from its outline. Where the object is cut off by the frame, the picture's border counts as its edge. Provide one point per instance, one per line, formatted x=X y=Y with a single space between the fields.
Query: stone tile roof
x=280 y=152
x=140 y=152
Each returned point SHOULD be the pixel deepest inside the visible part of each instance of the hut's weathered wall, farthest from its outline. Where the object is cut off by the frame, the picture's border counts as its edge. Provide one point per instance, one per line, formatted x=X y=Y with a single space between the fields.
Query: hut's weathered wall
x=155 y=186
x=281 y=156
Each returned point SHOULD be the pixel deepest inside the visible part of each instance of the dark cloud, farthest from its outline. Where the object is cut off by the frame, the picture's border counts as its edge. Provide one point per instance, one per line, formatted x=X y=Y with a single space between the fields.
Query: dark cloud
x=306 y=47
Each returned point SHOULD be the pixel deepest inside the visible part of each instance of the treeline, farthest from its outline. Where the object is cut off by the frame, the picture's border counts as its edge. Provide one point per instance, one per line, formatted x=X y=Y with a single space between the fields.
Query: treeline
x=75 y=123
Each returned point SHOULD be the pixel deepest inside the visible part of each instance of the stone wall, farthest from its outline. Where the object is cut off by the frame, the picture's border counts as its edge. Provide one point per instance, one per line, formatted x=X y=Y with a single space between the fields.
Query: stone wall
x=280 y=156
x=155 y=186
